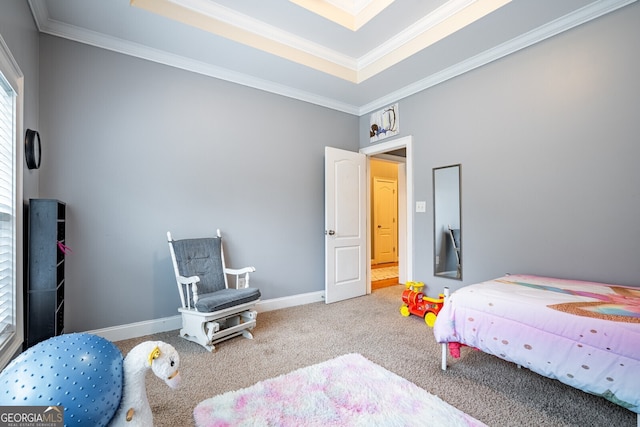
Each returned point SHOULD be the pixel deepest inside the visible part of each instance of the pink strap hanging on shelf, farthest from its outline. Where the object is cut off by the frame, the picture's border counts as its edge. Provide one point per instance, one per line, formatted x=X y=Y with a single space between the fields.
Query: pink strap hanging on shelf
x=64 y=248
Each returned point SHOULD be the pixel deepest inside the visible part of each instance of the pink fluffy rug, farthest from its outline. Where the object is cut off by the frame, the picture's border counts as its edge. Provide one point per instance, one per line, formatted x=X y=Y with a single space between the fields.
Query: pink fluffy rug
x=346 y=391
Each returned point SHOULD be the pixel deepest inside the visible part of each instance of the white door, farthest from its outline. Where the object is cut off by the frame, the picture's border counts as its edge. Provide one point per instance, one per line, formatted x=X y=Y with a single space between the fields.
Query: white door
x=345 y=224
x=385 y=209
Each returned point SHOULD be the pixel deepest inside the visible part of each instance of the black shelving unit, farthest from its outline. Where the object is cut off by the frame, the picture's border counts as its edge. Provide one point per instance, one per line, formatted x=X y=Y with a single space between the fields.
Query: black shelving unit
x=44 y=284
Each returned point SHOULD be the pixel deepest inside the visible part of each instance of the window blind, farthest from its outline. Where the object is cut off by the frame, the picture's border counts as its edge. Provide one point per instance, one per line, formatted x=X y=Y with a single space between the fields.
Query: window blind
x=7 y=210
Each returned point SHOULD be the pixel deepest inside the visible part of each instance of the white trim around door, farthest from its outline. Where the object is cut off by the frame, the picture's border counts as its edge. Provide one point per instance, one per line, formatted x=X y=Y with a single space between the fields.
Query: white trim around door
x=405 y=263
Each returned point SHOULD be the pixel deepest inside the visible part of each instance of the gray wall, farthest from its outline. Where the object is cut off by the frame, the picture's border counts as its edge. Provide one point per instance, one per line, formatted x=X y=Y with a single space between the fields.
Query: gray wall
x=549 y=142
x=21 y=36
x=136 y=149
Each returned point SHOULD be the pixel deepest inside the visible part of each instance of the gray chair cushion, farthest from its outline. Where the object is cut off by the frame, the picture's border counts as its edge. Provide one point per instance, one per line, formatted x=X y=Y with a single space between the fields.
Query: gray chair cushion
x=203 y=258
x=226 y=298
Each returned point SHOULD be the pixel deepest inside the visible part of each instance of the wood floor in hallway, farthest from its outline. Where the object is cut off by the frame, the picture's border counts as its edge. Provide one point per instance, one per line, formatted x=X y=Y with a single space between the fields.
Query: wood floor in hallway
x=379 y=284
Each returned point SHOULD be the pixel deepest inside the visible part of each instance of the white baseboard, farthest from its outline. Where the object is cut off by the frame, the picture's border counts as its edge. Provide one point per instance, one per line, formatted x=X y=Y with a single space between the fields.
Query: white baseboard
x=292 y=301
x=139 y=329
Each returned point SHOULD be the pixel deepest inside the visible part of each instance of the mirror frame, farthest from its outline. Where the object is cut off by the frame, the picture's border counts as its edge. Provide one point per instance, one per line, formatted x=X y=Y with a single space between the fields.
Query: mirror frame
x=458 y=275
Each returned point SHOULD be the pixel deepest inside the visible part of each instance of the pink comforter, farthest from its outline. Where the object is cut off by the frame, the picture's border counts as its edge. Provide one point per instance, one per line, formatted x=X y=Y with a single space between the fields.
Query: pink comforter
x=585 y=334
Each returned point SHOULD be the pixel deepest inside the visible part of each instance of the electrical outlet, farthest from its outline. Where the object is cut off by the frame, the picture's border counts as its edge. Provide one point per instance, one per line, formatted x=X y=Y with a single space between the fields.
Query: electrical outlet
x=421 y=206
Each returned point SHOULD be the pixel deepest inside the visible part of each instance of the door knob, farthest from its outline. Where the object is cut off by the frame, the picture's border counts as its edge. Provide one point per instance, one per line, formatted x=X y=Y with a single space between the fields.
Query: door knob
x=330 y=232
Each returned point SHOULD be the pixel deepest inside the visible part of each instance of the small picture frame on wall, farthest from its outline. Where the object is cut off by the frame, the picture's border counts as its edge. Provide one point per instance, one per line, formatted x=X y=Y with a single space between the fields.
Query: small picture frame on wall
x=384 y=123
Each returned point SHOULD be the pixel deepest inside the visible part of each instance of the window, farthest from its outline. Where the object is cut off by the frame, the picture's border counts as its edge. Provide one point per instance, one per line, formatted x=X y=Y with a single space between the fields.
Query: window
x=7 y=209
x=11 y=329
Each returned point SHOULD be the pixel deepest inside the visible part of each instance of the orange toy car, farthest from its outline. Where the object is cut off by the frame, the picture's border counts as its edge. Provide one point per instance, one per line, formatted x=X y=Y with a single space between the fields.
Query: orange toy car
x=419 y=305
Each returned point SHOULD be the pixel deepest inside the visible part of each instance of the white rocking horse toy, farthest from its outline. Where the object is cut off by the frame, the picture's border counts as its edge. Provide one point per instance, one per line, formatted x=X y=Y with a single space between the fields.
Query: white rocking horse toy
x=163 y=360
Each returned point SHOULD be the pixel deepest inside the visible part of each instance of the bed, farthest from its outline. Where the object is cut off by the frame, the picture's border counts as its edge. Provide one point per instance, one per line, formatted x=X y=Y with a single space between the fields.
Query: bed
x=584 y=334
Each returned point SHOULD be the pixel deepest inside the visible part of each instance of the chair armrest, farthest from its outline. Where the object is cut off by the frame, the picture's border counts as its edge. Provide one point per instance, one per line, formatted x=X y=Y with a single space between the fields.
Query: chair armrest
x=193 y=281
x=188 y=280
x=239 y=271
x=241 y=282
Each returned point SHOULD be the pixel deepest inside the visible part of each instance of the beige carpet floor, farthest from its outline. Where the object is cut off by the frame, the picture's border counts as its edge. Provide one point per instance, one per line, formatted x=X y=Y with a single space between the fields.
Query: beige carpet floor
x=485 y=387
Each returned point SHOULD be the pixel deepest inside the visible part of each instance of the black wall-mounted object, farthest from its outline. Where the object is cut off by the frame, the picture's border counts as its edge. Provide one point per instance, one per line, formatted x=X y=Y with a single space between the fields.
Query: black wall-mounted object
x=32 y=149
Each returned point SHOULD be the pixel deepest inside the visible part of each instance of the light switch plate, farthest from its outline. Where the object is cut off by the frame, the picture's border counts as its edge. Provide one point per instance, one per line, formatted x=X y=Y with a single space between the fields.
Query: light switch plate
x=421 y=206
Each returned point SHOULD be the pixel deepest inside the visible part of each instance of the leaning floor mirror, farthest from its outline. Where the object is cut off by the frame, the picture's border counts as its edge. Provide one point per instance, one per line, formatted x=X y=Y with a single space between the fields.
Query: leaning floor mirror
x=447 y=230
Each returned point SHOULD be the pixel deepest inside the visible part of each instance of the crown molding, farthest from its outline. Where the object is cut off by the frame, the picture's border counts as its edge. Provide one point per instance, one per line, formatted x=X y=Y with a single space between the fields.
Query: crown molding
x=261 y=29
x=81 y=35
x=436 y=17
x=564 y=23
x=443 y=22
x=40 y=12
x=92 y=38
x=216 y=19
x=232 y=25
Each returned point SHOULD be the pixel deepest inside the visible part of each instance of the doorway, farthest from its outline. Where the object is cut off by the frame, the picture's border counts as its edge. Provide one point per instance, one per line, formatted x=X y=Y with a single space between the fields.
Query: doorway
x=383 y=174
x=398 y=151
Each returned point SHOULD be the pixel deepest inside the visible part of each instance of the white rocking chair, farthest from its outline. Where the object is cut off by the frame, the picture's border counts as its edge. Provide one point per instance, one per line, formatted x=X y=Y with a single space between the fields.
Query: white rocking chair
x=211 y=310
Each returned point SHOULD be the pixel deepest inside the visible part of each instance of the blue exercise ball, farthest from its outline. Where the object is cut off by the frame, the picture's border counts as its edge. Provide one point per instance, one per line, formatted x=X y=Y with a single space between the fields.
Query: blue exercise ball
x=80 y=372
